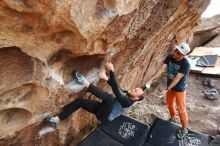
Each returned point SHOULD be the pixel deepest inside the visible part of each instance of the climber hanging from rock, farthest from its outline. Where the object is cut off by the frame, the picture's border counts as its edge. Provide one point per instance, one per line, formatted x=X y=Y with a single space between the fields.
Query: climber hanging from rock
x=177 y=67
x=109 y=108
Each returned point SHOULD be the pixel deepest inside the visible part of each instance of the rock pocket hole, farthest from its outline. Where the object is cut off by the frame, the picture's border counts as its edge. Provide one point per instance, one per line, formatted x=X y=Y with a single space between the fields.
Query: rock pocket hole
x=13 y=119
x=16 y=95
x=16 y=68
x=64 y=62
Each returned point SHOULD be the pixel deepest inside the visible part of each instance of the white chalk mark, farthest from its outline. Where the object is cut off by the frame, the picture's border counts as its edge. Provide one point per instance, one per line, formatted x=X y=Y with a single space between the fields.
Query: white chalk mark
x=110 y=55
x=44 y=131
x=56 y=75
x=106 y=14
x=91 y=77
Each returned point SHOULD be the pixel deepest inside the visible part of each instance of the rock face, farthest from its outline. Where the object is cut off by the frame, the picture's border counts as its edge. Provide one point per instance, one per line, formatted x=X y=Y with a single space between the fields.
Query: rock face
x=207 y=34
x=43 y=41
x=211 y=25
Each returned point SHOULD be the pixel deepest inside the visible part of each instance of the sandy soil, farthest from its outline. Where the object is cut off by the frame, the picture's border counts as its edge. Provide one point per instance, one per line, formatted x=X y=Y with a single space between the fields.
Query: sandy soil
x=203 y=113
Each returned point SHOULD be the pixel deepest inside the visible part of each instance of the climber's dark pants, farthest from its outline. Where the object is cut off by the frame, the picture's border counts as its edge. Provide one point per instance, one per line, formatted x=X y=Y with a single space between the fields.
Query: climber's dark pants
x=100 y=109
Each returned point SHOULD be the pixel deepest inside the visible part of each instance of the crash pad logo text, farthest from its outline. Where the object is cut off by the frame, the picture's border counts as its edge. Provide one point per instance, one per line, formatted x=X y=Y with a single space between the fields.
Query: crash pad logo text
x=127 y=130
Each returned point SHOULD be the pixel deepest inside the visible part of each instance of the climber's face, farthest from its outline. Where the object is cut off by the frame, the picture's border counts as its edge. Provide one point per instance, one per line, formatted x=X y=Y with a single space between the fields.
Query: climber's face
x=136 y=93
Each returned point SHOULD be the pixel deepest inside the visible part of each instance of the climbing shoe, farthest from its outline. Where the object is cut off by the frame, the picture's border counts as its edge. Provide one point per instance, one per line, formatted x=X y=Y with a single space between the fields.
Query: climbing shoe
x=208 y=82
x=205 y=82
x=78 y=76
x=181 y=134
x=211 y=94
x=211 y=83
x=51 y=122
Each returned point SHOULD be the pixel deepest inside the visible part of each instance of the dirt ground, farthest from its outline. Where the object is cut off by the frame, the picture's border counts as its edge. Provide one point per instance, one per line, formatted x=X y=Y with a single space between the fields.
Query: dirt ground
x=203 y=114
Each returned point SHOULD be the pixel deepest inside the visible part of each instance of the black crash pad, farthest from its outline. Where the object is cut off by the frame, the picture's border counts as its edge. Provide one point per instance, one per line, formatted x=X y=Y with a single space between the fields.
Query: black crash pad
x=126 y=130
x=163 y=133
x=122 y=131
x=99 y=138
x=216 y=141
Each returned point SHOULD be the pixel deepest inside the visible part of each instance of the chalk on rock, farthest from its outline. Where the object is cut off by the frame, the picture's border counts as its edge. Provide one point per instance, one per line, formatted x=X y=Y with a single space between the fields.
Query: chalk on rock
x=45 y=130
